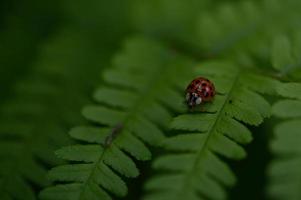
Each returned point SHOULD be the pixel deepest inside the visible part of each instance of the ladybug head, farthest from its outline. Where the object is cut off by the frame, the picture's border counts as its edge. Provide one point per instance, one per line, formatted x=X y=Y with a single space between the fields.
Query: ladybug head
x=193 y=99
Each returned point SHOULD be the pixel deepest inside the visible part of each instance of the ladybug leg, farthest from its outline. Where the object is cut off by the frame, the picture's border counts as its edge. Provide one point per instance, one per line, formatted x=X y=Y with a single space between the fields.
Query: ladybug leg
x=192 y=108
x=202 y=109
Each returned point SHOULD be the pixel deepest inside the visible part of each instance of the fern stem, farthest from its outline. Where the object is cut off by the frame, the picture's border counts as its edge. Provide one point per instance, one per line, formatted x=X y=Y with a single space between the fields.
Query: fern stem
x=92 y=174
x=159 y=75
x=209 y=134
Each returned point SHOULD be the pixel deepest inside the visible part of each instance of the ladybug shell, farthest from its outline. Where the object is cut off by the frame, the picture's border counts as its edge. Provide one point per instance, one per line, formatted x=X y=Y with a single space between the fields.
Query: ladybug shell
x=203 y=88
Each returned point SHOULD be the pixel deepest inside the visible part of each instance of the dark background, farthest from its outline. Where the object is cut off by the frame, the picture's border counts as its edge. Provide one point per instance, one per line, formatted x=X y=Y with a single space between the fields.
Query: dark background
x=28 y=27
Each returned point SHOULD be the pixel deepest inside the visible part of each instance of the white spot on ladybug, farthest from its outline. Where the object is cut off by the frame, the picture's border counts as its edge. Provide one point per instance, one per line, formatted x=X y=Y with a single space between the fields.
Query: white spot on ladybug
x=198 y=101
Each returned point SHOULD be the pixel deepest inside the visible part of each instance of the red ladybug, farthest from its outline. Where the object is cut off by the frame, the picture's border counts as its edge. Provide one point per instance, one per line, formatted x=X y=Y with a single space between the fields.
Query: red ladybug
x=200 y=90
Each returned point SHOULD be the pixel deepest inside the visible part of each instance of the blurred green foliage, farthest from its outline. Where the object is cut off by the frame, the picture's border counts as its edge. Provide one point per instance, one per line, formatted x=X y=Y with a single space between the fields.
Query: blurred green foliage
x=55 y=53
x=24 y=25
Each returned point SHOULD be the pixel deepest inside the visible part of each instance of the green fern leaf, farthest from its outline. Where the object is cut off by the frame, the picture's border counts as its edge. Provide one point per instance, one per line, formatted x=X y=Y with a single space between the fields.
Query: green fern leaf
x=281 y=53
x=238 y=31
x=284 y=172
x=134 y=107
x=195 y=168
x=285 y=53
x=44 y=104
x=290 y=90
x=246 y=27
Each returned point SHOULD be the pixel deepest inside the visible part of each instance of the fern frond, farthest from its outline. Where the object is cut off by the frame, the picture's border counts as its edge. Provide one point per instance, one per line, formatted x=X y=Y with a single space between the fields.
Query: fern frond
x=284 y=172
x=235 y=30
x=134 y=107
x=245 y=28
x=195 y=167
x=44 y=105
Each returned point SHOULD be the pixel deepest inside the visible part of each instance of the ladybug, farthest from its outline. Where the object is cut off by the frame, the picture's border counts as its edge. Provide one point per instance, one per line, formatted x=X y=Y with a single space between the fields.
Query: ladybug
x=200 y=90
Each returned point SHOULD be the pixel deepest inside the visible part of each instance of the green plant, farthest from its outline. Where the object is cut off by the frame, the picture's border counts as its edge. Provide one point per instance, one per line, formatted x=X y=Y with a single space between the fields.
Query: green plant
x=137 y=117
x=195 y=163
x=36 y=111
x=20 y=35
x=284 y=173
x=136 y=105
